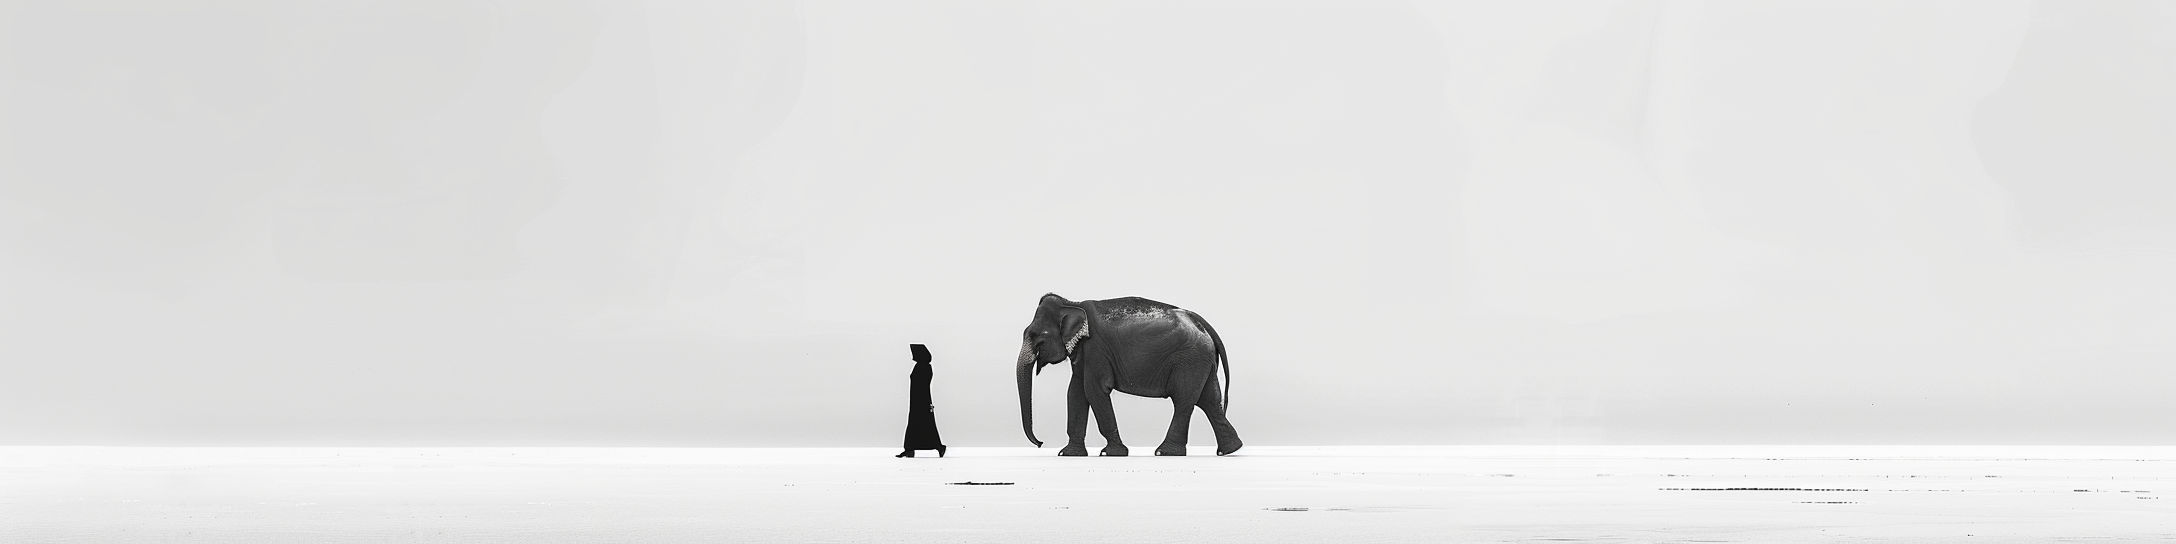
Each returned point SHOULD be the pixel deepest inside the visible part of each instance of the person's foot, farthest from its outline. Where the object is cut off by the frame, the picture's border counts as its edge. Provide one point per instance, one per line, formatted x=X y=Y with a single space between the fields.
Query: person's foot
x=940 y=451
x=908 y=453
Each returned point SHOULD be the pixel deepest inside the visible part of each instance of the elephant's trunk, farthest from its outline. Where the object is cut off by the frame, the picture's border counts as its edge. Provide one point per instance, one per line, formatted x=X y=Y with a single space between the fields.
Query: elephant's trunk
x=1027 y=390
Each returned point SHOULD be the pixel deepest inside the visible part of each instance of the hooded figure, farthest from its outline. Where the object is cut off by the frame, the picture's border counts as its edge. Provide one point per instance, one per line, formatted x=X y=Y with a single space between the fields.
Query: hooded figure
x=921 y=422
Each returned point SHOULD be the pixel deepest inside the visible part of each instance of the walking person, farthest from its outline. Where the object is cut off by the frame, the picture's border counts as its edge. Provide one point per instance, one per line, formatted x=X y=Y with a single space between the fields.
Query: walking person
x=921 y=422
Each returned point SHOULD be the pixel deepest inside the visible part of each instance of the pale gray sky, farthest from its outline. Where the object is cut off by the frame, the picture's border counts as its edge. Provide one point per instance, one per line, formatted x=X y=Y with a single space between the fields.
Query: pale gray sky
x=458 y=222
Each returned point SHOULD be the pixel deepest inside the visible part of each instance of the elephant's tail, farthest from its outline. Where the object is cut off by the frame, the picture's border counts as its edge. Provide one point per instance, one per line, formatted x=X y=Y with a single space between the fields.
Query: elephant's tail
x=1225 y=400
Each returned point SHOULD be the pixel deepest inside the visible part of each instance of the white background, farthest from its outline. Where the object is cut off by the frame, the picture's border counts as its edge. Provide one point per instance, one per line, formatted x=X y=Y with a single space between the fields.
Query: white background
x=454 y=222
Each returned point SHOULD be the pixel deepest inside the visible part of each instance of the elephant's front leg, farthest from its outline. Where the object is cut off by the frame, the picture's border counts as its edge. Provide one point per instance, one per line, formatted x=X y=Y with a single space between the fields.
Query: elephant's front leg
x=1099 y=398
x=1076 y=420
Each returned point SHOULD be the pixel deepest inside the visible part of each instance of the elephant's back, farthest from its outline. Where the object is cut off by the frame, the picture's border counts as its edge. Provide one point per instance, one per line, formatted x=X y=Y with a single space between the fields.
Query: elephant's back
x=1155 y=340
x=1134 y=305
x=1146 y=320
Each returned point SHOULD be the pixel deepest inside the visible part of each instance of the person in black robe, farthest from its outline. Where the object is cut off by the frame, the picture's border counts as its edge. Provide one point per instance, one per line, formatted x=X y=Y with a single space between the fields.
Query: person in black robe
x=921 y=422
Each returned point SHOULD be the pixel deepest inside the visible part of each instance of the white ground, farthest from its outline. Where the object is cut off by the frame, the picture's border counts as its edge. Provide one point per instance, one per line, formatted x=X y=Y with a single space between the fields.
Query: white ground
x=1266 y=494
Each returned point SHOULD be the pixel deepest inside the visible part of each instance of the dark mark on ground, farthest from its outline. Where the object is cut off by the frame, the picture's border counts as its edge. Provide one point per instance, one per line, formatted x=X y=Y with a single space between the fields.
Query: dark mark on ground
x=1287 y=509
x=980 y=483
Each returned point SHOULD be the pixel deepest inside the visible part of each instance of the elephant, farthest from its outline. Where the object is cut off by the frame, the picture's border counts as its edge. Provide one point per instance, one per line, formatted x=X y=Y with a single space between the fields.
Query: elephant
x=1131 y=345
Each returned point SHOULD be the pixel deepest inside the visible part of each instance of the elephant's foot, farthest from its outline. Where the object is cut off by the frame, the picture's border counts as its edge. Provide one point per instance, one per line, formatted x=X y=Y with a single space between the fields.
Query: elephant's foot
x=1073 y=450
x=1226 y=448
x=1175 y=450
x=1115 y=450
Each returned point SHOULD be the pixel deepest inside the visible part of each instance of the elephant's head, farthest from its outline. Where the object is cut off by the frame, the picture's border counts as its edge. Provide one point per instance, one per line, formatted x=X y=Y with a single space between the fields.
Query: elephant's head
x=1059 y=326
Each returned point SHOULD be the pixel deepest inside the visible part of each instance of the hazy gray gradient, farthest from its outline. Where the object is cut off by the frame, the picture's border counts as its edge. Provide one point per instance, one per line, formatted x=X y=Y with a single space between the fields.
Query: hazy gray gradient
x=721 y=223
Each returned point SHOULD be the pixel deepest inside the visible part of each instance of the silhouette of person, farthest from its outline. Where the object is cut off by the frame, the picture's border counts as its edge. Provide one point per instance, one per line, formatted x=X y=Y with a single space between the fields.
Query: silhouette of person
x=921 y=422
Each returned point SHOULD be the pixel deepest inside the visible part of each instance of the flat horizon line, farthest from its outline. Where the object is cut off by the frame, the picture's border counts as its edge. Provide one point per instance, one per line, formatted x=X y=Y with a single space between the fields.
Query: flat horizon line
x=1376 y=445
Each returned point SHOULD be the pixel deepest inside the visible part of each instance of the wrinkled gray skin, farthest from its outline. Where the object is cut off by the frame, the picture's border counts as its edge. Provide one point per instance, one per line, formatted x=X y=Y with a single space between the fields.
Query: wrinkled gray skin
x=1131 y=345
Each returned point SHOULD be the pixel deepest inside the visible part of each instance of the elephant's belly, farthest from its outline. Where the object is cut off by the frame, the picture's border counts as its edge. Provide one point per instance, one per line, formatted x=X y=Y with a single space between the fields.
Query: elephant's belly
x=1143 y=391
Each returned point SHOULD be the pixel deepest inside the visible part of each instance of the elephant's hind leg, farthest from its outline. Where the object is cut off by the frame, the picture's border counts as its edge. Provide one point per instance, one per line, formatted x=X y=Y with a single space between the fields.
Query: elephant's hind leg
x=1212 y=404
x=1184 y=396
x=1182 y=415
x=1190 y=370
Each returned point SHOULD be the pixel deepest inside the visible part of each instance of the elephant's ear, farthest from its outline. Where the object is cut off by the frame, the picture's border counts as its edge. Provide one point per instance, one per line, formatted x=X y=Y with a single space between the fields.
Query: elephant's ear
x=1073 y=323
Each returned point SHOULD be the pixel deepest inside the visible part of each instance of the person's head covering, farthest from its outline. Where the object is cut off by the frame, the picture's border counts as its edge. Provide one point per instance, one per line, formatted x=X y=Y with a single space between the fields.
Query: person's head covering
x=921 y=353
